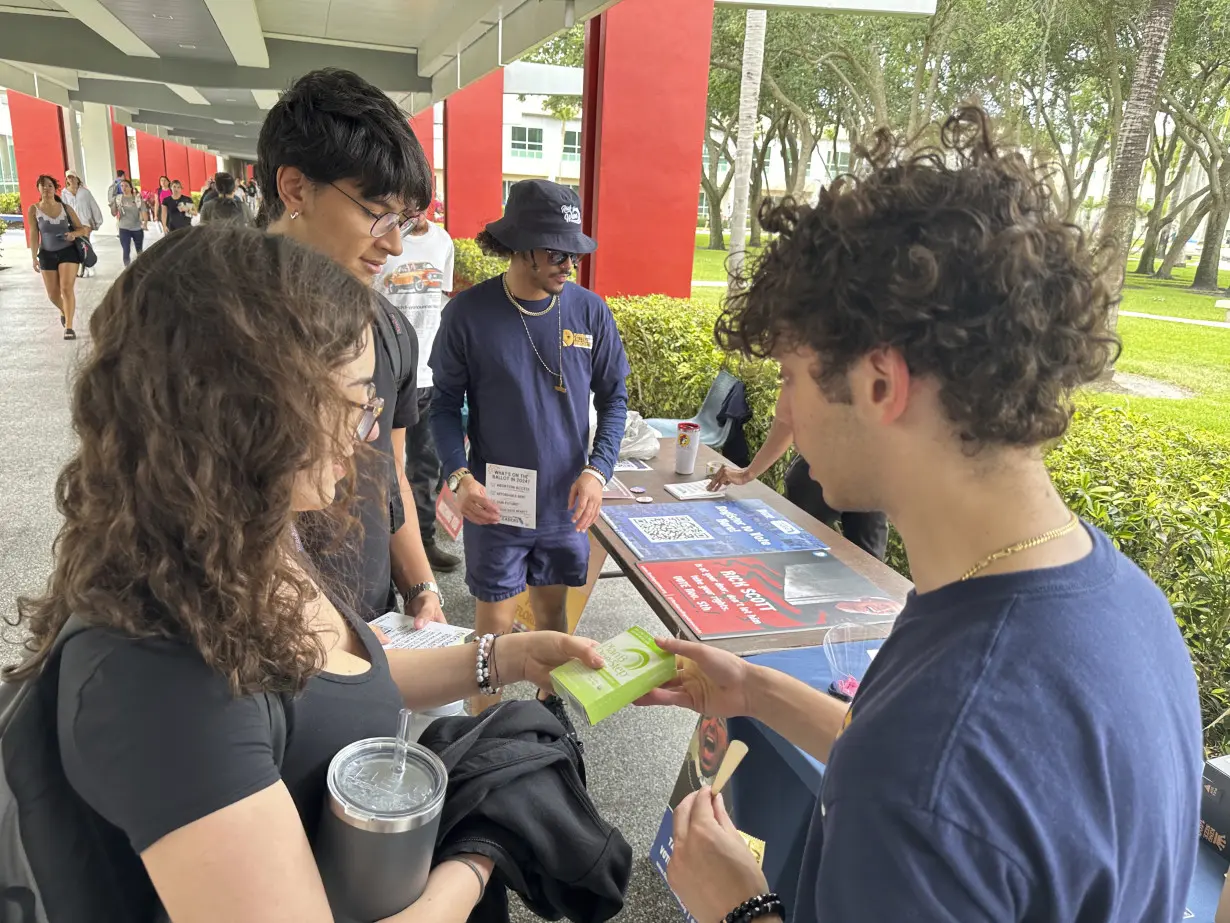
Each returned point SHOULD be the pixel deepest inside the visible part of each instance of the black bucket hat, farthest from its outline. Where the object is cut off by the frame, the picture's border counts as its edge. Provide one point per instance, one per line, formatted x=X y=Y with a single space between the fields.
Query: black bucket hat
x=541 y=215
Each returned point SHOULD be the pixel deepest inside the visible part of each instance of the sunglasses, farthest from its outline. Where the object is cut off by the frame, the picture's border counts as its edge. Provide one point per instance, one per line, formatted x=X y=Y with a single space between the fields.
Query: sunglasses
x=371 y=409
x=382 y=224
x=560 y=257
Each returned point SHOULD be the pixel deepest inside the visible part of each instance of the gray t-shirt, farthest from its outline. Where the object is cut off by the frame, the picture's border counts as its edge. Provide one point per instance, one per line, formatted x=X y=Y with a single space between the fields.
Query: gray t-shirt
x=128 y=212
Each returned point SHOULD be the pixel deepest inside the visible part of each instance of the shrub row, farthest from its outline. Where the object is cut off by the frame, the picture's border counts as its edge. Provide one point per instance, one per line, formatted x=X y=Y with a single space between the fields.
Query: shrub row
x=1162 y=494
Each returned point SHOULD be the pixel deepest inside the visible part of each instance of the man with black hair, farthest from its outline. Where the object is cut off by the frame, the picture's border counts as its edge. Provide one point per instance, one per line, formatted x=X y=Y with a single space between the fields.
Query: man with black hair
x=345 y=174
x=1026 y=745
x=527 y=348
x=223 y=206
x=115 y=190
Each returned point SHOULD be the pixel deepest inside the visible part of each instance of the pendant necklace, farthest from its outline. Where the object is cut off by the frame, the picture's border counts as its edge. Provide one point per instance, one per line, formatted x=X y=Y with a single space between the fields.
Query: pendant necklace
x=559 y=323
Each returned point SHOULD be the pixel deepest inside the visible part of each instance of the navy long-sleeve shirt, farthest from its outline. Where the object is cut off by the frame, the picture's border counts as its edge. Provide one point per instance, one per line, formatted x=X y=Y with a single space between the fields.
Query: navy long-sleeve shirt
x=517 y=417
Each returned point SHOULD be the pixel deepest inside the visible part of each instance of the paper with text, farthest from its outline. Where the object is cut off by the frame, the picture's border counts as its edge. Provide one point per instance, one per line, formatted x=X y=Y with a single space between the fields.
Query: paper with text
x=401 y=634
x=515 y=491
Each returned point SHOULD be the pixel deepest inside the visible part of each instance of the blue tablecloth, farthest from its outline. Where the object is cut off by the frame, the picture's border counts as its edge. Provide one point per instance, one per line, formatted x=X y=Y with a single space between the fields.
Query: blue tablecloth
x=774 y=792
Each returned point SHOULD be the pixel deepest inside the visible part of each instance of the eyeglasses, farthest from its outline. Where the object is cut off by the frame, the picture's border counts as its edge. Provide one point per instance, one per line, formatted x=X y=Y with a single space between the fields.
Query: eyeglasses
x=560 y=257
x=371 y=408
x=382 y=224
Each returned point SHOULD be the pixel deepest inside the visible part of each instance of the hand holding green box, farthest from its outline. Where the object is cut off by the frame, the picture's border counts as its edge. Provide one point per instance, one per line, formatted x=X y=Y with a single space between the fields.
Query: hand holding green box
x=634 y=666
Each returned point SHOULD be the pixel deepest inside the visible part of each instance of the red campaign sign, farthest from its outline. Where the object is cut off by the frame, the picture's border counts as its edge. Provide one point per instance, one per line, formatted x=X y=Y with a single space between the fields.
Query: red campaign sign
x=448 y=512
x=753 y=594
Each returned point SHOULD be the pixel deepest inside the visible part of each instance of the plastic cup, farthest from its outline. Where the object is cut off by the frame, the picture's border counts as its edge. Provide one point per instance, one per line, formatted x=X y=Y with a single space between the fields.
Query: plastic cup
x=687 y=444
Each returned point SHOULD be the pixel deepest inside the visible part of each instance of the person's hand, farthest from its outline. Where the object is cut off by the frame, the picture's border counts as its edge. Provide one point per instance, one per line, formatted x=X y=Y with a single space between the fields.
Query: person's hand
x=727 y=476
x=472 y=498
x=37 y=267
x=532 y=655
x=711 y=869
x=709 y=681
x=585 y=500
x=425 y=609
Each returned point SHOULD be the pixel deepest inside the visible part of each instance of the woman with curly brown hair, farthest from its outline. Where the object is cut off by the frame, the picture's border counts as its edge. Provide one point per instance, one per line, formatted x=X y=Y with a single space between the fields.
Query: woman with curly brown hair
x=1026 y=744
x=208 y=418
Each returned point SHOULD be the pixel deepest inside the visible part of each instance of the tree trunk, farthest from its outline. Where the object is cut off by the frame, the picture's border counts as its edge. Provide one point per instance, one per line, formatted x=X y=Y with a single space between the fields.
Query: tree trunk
x=753 y=239
x=716 y=240
x=1132 y=145
x=1148 y=250
x=749 y=109
x=1205 y=279
x=1186 y=230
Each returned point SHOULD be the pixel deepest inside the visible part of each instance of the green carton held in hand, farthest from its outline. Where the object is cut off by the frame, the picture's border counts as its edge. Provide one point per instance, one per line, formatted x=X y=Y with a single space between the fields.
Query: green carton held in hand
x=634 y=666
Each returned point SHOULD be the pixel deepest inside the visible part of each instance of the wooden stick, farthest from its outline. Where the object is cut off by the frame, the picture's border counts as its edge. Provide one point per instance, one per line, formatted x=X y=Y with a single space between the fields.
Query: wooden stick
x=734 y=756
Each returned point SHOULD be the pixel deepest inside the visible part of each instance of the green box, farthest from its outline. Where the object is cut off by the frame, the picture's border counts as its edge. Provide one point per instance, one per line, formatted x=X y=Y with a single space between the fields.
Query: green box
x=634 y=666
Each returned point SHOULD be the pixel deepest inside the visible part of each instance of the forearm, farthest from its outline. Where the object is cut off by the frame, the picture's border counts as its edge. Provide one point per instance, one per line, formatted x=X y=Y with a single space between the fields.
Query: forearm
x=780 y=438
x=450 y=897
x=612 y=418
x=809 y=719
x=446 y=428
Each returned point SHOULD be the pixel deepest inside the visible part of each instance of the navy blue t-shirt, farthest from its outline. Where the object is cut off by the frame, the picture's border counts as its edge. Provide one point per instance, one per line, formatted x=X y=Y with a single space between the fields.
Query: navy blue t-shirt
x=517 y=417
x=1024 y=747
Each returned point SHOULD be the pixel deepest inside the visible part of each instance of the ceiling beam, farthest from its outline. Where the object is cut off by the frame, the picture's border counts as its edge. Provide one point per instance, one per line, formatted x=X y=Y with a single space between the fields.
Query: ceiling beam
x=155 y=97
x=24 y=39
x=188 y=94
x=446 y=33
x=194 y=123
x=240 y=26
x=102 y=21
x=24 y=80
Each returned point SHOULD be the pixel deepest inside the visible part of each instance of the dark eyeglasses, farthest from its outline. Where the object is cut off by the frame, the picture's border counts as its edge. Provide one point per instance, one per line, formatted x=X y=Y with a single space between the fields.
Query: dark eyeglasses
x=382 y=224
x=371 y=408
x=560 y=257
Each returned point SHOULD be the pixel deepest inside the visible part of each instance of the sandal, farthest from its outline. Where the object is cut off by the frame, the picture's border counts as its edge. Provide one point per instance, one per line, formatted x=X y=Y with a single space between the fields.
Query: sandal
x=69 y=334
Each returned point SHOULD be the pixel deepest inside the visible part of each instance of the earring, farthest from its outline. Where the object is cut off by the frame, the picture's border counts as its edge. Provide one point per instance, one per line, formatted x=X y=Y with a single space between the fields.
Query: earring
x=294 y=215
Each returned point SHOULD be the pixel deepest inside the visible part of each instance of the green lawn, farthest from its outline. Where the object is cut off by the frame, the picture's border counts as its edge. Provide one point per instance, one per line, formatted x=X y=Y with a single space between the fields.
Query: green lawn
x=1197 y=358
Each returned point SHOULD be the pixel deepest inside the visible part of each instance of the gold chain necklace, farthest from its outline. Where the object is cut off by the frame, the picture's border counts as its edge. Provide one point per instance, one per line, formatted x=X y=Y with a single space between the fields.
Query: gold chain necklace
x=1022 y=546
x=559 y=323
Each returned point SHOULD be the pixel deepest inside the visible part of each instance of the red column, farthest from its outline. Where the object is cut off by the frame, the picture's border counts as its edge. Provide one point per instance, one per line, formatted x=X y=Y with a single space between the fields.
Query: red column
x=196 y=170
x=177 y=164
x=424 y=127
x=151 y=159
x=474 y=165
x=38 y=143
x=119 y=142
x=211 y=166
x=618 y=192
x=250 y=171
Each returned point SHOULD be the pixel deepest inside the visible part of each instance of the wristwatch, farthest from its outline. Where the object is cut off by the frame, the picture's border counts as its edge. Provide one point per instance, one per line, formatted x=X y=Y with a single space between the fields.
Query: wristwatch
x=427 y=586
x=455 y=479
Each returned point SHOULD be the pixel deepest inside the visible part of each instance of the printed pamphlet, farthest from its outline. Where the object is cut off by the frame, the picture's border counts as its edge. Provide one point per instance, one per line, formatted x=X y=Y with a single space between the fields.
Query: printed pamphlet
x=515 y=492
x=401 y=634
x=634 y=666
x=694 y=490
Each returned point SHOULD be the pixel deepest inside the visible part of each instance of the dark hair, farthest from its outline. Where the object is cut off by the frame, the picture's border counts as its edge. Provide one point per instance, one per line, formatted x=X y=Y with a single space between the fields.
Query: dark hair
x=54 y=182
x=492 y=247
x=333 y=125
x=953 y=255
x=194 y=412
x=119 y=173
x=224 y=183
x=161 y=178
x=125 y=181
x=176 y=182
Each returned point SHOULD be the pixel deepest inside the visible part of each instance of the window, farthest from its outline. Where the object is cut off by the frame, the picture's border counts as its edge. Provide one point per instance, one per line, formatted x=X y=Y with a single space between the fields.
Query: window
x=723 y=163
x=508 y=184
x=527 y=142
x=572 y=146
x=8 y=166
x=838 y=165
x=702 y=209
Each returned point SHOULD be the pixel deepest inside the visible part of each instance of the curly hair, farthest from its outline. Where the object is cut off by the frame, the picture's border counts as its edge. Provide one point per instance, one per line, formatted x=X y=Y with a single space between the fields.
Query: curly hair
x=952 y=255
x=196 y=409
x=492 y=247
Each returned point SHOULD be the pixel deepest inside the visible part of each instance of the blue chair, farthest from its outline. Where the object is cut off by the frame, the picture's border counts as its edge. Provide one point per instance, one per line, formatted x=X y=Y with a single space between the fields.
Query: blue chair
x=712 y=433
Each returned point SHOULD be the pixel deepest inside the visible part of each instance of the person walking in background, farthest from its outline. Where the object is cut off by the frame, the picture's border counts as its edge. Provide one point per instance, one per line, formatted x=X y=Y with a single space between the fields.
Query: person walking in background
x=52 y=229
x=527 y=348
x=85 y=206
x=210 y=192
x=224 y=206
x=116 y=188
x=132 y=217
x=867 y=530
x=163 y=193
x=177 y=208
x=417 y=283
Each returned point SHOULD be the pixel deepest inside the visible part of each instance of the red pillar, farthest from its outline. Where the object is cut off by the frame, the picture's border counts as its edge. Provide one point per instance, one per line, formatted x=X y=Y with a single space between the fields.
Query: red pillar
x=119 y=142
x=474 y=166
x=211 y=166
x=196 y=170
x=151 y=159
x=617 y=191
x=38 y=144
x=424 y=127
x=177 y=164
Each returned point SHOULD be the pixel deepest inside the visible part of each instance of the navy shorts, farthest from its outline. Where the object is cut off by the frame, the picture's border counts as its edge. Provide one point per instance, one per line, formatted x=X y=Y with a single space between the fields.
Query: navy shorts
x=502 y=560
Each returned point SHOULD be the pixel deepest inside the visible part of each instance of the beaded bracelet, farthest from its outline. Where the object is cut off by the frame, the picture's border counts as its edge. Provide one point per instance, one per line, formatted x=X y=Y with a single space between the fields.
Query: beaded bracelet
x=761 y=906
x=482 y=665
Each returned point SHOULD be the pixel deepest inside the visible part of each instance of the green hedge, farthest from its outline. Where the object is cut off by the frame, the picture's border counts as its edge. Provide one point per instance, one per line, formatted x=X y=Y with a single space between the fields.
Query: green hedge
x=471 y=265
x=1162 y=494
x=10 y=203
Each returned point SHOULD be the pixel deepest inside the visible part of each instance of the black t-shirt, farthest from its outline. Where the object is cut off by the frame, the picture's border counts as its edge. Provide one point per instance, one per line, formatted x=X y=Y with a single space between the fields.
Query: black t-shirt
x=175 y=218
x=152 y=740
x=363 y=574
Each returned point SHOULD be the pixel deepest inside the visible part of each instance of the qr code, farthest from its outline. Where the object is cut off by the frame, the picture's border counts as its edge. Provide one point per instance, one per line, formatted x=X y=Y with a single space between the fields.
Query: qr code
x=660 y=529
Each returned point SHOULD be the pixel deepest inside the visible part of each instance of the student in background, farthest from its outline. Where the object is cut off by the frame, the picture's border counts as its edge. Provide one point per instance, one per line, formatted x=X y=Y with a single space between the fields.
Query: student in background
x=223 y=206
x=85 y=206
x=133 y=219
x=418 y=283
x=177 y=208
x=53 y=229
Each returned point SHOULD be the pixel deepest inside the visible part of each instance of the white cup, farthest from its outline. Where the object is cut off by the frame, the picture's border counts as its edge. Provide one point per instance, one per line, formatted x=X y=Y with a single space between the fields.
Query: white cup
x=687 y=444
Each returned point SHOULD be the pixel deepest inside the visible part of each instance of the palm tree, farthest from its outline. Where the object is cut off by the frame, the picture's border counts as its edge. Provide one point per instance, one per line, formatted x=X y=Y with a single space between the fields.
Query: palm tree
x=1135 y=132
x=749 y=110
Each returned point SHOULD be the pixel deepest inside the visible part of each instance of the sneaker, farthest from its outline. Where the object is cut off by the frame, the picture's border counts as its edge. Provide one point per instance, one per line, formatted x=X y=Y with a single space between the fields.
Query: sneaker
x=69 y=334
x=439 y=558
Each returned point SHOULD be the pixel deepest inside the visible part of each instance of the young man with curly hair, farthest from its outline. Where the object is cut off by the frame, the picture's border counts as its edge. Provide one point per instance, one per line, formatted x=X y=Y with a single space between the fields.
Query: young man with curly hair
x=1026 y=744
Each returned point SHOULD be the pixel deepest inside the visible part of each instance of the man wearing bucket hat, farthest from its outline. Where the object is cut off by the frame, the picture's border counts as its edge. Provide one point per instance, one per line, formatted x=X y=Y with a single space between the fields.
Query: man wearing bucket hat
x=527 y=349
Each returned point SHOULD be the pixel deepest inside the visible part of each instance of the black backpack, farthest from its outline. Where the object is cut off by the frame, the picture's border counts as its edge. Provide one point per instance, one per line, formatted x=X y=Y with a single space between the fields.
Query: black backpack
x=53 y=846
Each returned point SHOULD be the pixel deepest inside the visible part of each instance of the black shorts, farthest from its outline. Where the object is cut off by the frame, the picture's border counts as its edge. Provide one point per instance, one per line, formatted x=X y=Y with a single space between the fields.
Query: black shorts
x=50 y=260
